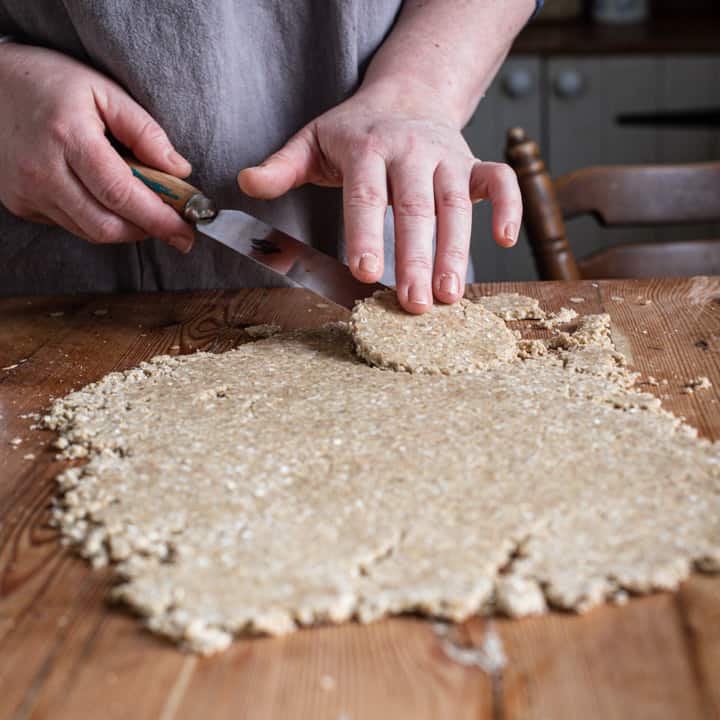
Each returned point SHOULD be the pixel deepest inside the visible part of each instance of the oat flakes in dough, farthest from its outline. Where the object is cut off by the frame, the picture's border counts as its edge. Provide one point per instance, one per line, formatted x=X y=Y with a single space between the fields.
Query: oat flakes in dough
x=512 y=306
x=561 y=317
x=338 y=490
x=449 y=339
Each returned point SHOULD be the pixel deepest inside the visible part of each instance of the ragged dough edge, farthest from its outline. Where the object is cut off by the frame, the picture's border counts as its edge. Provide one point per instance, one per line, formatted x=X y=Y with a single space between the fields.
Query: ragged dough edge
x=516 y=591
x=511 y=306
x=561 y=317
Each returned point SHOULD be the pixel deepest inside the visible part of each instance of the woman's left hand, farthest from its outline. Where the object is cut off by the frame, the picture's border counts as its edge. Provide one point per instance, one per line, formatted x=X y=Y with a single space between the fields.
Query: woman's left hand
x=381 y=152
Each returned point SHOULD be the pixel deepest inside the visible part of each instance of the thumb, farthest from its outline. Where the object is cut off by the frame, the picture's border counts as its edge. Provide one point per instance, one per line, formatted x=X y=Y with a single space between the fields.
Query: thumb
x=288 y=168
x=133 y=126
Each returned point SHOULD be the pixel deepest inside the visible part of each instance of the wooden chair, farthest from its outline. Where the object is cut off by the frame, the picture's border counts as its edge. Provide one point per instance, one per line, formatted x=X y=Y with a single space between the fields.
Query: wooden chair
x=616 y=195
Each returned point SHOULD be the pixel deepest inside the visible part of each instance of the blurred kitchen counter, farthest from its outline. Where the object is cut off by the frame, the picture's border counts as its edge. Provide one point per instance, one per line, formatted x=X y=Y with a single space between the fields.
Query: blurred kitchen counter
x=681 y=33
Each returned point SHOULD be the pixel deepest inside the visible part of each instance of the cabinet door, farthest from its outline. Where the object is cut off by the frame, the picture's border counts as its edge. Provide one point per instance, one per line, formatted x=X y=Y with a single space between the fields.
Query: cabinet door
x=585 y=96
x=513 y=99
x=688 y=83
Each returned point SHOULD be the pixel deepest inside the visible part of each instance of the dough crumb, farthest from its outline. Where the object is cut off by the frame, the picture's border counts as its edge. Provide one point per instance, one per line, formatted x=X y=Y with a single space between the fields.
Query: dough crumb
x=699 y=383
x=592 y=330
x=577 y=300
x=561 y=317
x=531 y=348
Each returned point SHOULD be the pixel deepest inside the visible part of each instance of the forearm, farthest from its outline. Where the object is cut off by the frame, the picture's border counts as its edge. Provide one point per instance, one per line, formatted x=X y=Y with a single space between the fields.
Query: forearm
x=442 y=55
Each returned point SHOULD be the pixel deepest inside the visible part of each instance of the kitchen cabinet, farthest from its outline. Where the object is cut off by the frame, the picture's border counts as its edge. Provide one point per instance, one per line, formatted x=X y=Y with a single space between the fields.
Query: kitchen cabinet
x=514 y=98
x=572 y=109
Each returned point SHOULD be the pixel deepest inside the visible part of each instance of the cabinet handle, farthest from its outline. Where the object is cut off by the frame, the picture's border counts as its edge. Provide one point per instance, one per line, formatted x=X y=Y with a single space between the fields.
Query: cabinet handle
x=518 y=83
x=569 y=84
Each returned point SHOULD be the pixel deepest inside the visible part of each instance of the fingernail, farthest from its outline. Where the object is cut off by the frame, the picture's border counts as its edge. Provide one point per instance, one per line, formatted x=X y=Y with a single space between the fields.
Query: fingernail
x=175 y=158
x=449 y=283
x=510 y=233
x=368 y=263
x=182 y=243
x=417 y=295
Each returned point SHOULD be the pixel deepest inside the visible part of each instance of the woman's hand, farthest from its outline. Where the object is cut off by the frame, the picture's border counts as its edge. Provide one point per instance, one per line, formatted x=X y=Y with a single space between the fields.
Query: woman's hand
x=382 y=151
x=58 y=167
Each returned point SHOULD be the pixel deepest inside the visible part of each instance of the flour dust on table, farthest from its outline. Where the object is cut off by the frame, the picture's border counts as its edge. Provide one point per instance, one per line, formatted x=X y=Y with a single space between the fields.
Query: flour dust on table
x=287 y=482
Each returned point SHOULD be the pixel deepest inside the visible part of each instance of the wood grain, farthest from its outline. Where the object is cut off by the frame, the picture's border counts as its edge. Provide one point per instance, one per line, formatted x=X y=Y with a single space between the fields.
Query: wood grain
x=628 y=662
x=392 y=669
x=65 y=653
x=698 y=604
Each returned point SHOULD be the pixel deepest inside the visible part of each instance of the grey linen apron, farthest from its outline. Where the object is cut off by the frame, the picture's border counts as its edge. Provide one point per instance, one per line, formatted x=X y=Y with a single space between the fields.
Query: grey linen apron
x=230 y=81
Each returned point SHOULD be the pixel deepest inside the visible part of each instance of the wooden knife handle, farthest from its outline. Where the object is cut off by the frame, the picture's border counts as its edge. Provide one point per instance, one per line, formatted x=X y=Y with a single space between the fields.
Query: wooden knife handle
x=189 y=202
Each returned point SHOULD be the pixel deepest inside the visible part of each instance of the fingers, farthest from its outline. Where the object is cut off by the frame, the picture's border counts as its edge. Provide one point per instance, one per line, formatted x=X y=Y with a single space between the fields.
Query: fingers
x=106 y=176
x=364 y=205
x=498 y=183
x=137 y=130
x=411 y=181
x=454 y=222
x=57 y=216
x=68 y=204
x=84 y=216
x=288 y=168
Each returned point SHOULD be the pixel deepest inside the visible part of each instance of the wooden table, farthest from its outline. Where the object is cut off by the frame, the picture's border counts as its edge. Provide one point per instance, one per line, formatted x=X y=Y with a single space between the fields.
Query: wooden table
x=64 y=653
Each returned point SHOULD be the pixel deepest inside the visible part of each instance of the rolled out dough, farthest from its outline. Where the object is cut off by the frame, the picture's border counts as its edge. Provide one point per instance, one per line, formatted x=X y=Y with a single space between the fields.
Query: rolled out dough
x=287 y=483
x=451 y=339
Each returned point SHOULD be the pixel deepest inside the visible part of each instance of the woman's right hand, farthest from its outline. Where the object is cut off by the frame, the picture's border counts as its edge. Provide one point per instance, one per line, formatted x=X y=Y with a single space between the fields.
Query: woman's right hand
x=56 y=163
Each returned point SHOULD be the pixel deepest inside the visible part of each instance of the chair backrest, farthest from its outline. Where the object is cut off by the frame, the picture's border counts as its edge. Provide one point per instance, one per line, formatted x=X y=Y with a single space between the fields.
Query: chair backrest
x=615 y=195
x=642 y=194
